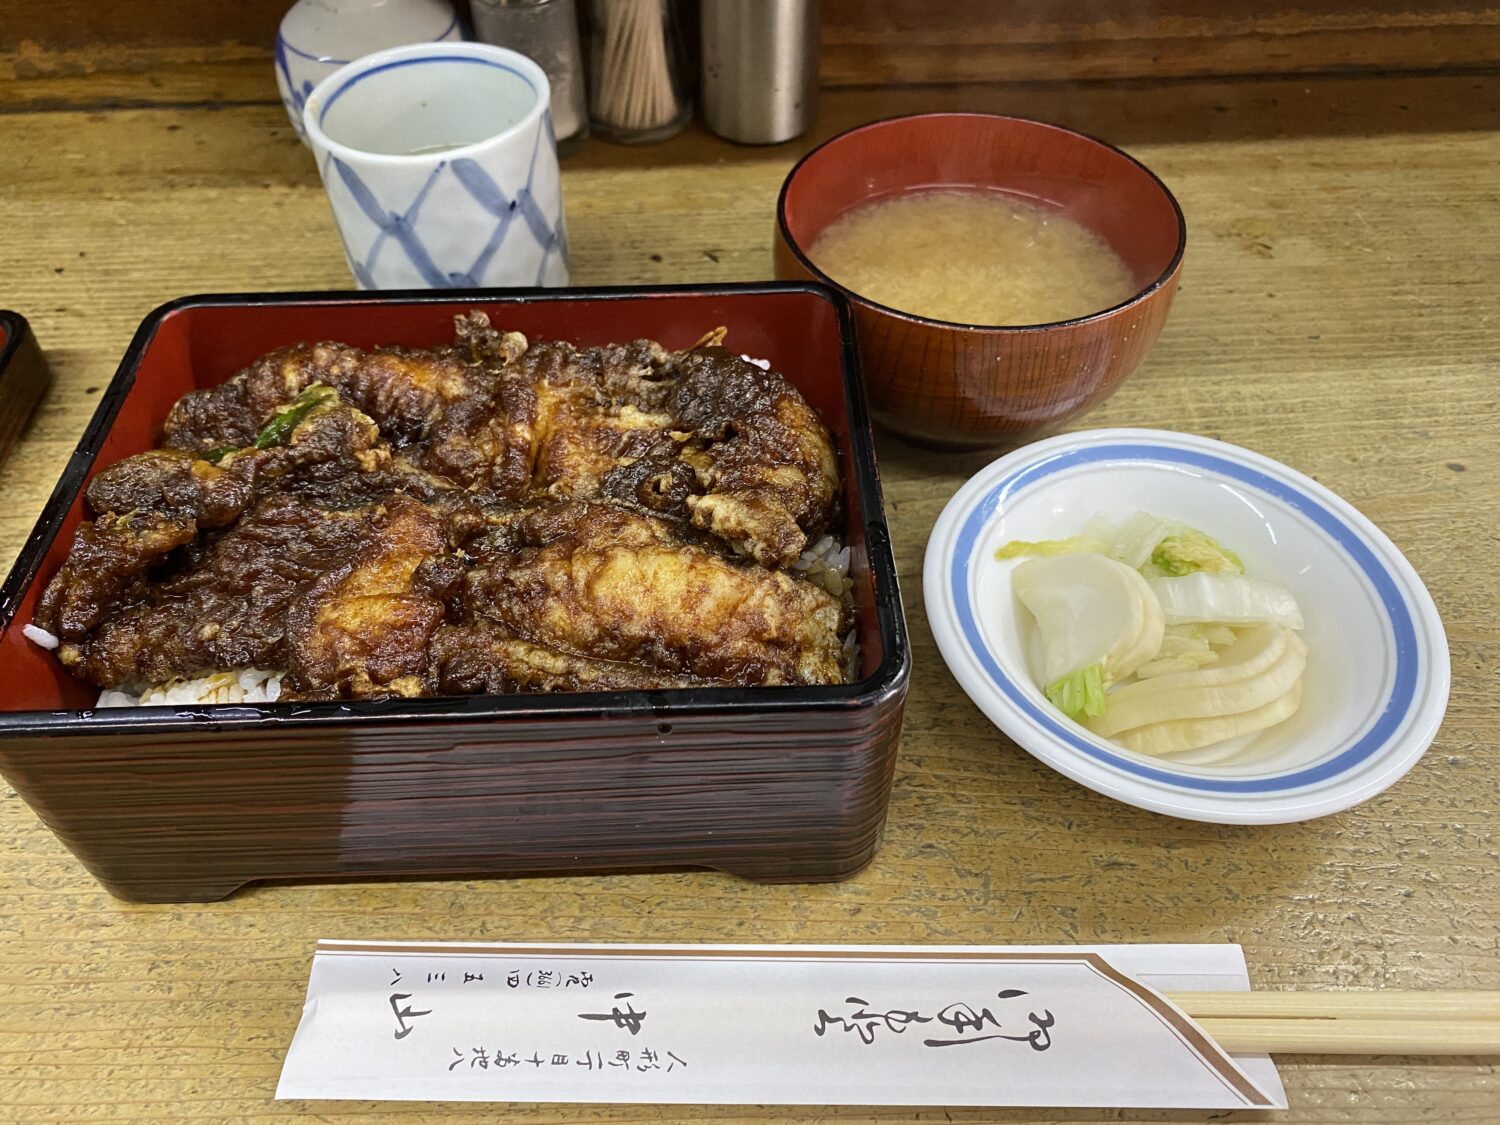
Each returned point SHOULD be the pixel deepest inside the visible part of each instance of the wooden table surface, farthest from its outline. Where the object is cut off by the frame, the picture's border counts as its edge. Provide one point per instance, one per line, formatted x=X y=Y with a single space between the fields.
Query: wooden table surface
x=1340 y=311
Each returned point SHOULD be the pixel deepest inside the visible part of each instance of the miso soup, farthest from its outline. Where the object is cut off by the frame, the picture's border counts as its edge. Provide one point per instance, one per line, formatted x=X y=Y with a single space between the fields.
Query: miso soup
x=976 y=257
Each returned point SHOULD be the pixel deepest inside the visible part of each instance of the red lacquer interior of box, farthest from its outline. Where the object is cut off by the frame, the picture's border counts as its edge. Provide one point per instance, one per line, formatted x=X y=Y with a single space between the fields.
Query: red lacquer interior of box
x=199 y=345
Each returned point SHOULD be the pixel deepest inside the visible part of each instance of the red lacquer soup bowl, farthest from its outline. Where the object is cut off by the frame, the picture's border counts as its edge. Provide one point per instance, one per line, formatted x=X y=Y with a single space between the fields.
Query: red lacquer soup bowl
x=973 y=386
x=188 y=802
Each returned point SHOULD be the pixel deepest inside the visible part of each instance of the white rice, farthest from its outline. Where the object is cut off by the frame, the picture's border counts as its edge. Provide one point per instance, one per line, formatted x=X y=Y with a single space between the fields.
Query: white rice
x=244 y=685
x=826 y=562
x=851 y=656
x=39 y=636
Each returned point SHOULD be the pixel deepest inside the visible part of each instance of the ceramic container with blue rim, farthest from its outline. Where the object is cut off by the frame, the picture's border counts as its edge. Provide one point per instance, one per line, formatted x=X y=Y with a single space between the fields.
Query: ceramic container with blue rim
x=1377 y=679
x=440 y=165
x=319 y=36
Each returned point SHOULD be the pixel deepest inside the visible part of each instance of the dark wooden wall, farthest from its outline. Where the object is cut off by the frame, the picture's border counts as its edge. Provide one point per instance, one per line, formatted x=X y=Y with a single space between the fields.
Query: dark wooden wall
x=69 y=52
x=919 y=41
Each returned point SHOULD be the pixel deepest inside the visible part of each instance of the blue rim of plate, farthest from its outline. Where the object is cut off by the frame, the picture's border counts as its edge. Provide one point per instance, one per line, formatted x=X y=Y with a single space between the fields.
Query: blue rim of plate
x=1398 y=706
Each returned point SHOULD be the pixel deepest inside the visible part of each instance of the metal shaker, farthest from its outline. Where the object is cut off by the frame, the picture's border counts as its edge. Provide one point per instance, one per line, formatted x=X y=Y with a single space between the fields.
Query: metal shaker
x=760 y=68
x=546 y=31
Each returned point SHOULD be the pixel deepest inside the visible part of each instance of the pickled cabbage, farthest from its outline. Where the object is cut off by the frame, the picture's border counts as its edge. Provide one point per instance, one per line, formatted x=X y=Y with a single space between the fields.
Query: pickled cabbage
x=1225 y=599
x=1152 y=635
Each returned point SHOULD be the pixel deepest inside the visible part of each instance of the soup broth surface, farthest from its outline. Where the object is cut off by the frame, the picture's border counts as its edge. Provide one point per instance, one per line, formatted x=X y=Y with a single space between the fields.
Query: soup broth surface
x=976 y=257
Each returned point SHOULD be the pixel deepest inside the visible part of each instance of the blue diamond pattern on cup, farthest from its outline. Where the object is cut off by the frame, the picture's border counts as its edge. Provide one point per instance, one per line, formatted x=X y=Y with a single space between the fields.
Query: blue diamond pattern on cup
x=297 y=73
x=404 y=229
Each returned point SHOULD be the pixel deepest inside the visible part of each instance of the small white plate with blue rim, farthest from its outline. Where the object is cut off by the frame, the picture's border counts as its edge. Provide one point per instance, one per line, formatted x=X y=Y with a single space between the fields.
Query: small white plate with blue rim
x=1377 y=680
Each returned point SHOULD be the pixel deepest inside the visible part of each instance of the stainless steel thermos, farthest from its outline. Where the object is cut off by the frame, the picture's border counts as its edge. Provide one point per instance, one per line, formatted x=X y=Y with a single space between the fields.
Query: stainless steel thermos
x=760 y=68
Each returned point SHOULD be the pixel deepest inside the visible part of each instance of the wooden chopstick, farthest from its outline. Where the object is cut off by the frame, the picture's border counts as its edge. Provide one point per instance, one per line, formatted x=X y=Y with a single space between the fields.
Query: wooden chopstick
x=1339 y=1005
x=1348 y=1023
x=1356 y=1036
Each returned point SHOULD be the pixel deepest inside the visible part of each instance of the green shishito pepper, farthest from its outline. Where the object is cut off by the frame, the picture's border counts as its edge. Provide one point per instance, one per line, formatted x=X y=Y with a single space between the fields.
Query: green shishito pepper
x=279 y=429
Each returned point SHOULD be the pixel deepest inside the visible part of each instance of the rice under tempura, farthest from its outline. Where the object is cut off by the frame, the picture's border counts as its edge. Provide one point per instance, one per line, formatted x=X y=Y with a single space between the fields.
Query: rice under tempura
x=826 y=562
x=244 y=685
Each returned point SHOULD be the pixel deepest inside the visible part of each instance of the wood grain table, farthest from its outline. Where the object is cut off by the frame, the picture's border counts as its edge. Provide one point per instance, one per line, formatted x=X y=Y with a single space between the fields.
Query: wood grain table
x=1340 y=312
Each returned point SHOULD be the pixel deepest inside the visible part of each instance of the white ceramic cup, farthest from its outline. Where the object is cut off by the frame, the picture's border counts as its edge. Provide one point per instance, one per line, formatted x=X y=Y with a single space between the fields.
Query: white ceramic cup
x=317 y=37
x=440 y=165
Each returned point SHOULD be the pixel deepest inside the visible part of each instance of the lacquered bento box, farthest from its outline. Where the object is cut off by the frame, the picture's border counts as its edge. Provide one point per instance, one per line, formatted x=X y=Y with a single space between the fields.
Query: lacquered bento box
x=179 y=803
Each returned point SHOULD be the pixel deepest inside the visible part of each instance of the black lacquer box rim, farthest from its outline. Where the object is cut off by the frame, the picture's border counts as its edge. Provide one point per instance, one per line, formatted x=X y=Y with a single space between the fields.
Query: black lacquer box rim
x=24 y=378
